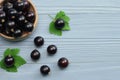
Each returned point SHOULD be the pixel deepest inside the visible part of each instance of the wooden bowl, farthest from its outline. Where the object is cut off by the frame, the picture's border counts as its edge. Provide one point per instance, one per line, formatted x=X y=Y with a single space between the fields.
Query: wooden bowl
x=25 y=35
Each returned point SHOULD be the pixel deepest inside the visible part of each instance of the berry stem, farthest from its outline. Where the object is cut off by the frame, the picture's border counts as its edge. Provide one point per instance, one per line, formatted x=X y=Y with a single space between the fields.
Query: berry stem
x=51 y=17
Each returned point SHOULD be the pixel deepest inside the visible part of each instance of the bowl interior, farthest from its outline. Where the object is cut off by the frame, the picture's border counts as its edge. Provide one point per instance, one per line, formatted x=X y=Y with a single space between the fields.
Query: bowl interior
x=26 y=34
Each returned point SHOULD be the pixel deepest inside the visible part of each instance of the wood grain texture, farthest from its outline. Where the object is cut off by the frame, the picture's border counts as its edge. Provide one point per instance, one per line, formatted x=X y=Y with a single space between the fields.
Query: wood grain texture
x=92 y=45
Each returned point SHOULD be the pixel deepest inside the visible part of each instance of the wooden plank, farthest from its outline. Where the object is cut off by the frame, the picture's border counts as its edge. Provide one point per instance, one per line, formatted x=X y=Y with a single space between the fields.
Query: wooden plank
x=80 y=71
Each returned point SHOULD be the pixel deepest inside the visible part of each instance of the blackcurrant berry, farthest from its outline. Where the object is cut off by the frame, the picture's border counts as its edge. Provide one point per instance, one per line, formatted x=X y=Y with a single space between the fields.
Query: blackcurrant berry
x=20 y=13
x=30 y=16
x=1 y=28
x=21 y=20
x=1 y=8
x=35 y=54
x=2 y=14
x=52 y=49
x=19 y=5
x=10 y=24
x=28 y=27
x=12 y=14
x=7 y=6
x=2 y=17
x=17 y=33
x=9 y=61
x=26 y=6
x=8 y=32
x=63 y=62
x=39 y=41
x=12 y=1
x=59 y=24
x=45 y=69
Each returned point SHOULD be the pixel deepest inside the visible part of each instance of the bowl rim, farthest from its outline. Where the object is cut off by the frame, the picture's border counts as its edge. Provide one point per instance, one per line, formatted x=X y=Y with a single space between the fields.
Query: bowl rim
x=28 y=33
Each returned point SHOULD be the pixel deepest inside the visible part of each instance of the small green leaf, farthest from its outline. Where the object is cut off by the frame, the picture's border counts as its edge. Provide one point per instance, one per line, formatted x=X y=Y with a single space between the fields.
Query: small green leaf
x=53 y=30
x=15 y=51
x=9 y=69
x=12 y=52
x=19 y=61
x=65 y=18
x=2 y=65
x=12 y=69
x=66 y=27
x=60 y=14
x=7 y=52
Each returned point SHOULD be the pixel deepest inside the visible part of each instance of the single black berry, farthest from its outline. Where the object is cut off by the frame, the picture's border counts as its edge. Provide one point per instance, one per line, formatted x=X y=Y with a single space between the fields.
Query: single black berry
x=9 y=61
x=63 y=62
x=1 y=28
x=59 y=24
x=28 y=27
x=2 y=17
x=10 y=24
x=17 y=32
x=26 y=6
x=39 y=41
x=52 y=49
x=8 y=32
x=12 y=1
x=19 y=13
x=30 y=16
x=7 y=6
x=35 y=54
x=19 y=5
x=45 y=69
x=12 y=14
x=21 y=20
x=1 y=8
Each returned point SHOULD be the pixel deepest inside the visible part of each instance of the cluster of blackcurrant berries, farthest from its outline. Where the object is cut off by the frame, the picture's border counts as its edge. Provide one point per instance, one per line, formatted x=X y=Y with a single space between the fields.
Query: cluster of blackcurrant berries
x=51 y=49
x=16 y=18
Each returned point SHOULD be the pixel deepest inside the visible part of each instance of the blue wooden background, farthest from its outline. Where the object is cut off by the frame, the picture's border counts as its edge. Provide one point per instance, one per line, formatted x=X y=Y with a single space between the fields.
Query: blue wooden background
x=92 y=46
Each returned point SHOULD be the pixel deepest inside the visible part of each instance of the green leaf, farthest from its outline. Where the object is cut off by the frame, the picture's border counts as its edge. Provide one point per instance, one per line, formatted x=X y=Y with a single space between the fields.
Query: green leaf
x=12 y=69
x=12 y=52
x=60 y=14
x=19 y=61
x=9 y=69
x=65 y=18
x=66 y=27
x=15 y=51
x=7 y=52
x=53 y=30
